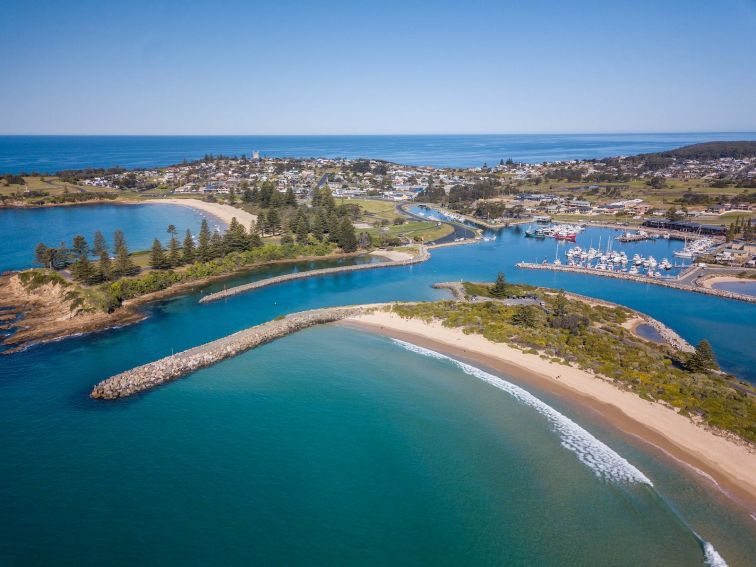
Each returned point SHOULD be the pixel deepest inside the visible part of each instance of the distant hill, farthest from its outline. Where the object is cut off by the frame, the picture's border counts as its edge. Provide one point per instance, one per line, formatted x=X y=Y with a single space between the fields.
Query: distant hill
x=710 y=150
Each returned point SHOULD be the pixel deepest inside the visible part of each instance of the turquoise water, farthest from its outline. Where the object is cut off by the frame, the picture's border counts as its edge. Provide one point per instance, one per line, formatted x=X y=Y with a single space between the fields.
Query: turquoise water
x=48 y=154
x=328 y=447
x=23 y=229
x=334 y=446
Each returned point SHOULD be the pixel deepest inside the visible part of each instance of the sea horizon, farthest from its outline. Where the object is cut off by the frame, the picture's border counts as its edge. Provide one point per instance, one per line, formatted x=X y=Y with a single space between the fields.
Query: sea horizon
x=50 y=153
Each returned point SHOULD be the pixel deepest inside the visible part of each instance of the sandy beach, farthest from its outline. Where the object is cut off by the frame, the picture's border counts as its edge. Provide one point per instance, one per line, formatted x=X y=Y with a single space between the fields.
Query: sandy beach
x=711 y=281
x=219 y=210
x=725 y=464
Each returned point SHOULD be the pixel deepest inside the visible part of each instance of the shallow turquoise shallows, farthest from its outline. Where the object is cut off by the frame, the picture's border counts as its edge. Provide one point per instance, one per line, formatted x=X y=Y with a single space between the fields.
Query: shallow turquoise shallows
x=333 y=446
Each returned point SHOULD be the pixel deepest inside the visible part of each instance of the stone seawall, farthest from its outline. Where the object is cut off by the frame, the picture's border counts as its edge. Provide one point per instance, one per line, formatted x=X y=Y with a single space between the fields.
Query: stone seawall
x=422 y=257
x=154 y=374
x=639 y=279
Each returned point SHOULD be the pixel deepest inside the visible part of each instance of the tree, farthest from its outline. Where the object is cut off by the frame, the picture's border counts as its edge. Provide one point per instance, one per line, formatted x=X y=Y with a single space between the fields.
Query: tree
x=105 y=269
x=254 y=240
x=99 y=244
x=318 y=227
x=157 y=256
x=290 y=199
x=235 y=239
x=217 y=247
x=82 y=270
x=347 y=239
x=203 y=249
x=188 y=253
x=172 y=230
x=301 y=227
x=174 y=252
x=273 y=221
x=61 y=257
x=524 y=316
x=123 y=264
x=702 y=359
x=80 y=246
x=44 y=255
x=118 y=240
x=560 y=304
x=499 y=288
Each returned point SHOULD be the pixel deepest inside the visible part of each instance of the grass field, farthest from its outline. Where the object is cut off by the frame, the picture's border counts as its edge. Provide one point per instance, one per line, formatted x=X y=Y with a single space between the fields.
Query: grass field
x=51 y=185
x=375 y=212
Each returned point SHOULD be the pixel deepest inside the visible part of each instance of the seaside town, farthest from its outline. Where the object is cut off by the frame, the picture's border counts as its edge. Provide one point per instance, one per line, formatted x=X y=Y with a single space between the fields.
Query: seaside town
x=378 y=283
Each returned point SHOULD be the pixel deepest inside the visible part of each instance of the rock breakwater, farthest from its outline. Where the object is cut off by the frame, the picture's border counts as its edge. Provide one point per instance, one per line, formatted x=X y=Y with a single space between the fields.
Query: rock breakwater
x=640 y=279
x=166 y=369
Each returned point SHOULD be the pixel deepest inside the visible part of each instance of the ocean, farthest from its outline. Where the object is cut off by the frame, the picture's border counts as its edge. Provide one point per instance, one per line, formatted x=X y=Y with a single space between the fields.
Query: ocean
x=49 y=154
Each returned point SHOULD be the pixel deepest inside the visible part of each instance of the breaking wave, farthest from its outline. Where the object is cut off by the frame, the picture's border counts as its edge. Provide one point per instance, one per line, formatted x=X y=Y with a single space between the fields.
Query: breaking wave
x=712 y=558
x=602 y=460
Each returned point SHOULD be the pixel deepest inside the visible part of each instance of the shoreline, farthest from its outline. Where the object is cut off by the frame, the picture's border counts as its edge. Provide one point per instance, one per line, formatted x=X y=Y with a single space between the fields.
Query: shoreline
x=728 y=464
x=129 y=312
x=222 y=212
x=710 y=281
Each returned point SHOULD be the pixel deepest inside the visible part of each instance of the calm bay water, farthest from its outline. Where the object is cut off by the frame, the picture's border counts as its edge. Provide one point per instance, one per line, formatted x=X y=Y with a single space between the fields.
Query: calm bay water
x=48 y=154
x=23 y=229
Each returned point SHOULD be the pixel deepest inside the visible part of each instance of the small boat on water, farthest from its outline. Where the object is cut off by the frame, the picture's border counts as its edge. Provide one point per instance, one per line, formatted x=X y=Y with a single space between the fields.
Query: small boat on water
x=537 y=233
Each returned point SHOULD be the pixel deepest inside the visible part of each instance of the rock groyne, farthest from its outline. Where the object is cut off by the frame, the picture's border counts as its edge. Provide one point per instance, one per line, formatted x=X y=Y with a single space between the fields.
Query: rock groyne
x=640 y=279
x=226 y=293
x=166 y=369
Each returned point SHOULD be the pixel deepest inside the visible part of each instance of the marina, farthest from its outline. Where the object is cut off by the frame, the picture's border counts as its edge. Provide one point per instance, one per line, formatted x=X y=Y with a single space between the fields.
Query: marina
x=666 y=282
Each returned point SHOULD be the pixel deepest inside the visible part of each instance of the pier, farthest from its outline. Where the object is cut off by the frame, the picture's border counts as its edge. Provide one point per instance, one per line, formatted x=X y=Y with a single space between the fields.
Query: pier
x=226 y=293
x=672 y=283
x=170 y=368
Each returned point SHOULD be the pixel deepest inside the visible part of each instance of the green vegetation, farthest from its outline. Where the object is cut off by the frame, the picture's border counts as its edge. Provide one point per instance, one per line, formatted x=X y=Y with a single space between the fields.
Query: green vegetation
x=592 y=337
x=711 y=150
x=157 y=280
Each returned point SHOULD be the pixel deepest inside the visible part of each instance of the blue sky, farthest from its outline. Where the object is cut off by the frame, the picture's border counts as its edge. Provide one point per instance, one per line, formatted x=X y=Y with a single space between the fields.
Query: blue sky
x=392 y=67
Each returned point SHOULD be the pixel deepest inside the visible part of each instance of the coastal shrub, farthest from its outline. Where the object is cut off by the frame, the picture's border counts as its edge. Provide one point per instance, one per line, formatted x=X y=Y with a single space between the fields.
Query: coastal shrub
x=32 y=279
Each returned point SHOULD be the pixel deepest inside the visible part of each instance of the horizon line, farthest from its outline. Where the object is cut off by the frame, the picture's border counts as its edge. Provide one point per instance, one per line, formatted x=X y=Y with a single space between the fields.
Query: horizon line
x=554 y=133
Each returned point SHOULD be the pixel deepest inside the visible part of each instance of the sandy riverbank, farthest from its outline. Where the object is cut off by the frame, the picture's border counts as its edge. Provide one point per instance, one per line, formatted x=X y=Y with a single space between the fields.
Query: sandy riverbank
x=724 y=463
x=219 y=210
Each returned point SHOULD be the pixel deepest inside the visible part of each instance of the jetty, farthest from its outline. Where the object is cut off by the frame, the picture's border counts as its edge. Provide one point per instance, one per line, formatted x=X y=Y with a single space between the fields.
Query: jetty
x=671 y=283
x=422 y=256
x=170 y=368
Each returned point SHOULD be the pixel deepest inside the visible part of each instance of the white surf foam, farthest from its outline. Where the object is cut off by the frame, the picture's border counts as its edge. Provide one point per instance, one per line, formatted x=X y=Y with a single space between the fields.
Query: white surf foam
x=601 y=459
x=712 y=558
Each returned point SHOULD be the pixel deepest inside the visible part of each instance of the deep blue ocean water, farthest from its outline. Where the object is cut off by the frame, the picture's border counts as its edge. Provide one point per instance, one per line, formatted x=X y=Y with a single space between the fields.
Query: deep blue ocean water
x=49 y=154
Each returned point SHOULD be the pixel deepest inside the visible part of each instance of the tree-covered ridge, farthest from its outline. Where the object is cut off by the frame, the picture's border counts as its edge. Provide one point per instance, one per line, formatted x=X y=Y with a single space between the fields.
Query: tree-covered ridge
x=592 y=338
x=710 y=150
